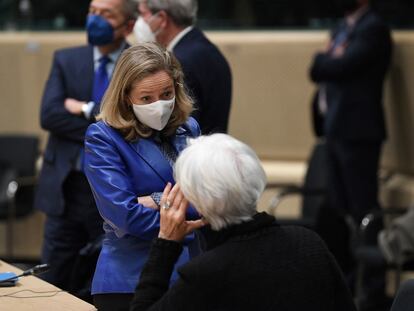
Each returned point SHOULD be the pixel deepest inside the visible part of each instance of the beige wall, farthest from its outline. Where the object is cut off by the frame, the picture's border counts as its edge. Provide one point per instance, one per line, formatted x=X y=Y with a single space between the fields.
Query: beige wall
x=271 y=98
x=269 y=73
x=272 y=92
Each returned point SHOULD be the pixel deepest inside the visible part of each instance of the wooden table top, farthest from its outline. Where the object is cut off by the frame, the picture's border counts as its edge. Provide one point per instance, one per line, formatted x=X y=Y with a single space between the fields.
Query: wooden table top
x=32 y=294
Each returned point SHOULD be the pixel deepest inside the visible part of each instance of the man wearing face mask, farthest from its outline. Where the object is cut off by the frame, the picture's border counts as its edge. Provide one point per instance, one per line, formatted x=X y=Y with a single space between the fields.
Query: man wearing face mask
x=207 y=73
x=350 y=74
x=77 y=82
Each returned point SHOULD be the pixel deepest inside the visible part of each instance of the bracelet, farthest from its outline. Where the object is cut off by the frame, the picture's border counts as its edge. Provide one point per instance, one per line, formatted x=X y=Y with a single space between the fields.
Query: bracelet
x=156 y=196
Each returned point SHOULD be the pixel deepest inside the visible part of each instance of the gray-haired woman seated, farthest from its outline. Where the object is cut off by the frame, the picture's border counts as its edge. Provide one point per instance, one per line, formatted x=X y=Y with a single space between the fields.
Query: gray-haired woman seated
x=251 y=263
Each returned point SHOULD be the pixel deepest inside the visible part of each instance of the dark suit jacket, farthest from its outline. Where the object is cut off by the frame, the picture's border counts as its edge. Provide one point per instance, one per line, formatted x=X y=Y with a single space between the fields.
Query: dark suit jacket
x=354 y=82
x=208 y=77
x=256 y=265
x=71 y=76
x=318 y=118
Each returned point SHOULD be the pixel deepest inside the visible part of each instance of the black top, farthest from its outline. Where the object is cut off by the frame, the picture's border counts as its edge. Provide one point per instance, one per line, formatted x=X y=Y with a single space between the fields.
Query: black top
x=256 y=265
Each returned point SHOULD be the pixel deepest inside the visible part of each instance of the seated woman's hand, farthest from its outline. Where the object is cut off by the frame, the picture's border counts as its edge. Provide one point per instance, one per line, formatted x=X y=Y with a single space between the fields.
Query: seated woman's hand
x=173 y=224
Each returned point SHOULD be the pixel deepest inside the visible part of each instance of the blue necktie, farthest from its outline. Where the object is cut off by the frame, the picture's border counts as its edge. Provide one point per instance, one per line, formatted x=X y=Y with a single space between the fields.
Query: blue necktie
x=101 y=80
x=340 y=38
x=100 y=84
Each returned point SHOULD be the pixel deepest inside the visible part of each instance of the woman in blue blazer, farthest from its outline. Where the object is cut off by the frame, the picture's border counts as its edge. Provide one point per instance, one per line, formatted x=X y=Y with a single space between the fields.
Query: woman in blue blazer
x=143 y=125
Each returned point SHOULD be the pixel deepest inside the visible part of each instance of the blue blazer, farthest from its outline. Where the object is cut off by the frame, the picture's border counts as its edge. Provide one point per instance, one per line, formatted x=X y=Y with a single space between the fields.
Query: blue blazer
x=71 y=75
x=208 y=77
x=118 y=172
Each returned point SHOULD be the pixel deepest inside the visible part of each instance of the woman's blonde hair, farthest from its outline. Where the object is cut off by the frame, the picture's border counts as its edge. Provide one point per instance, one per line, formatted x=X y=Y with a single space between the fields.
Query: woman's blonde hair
x=135 y=64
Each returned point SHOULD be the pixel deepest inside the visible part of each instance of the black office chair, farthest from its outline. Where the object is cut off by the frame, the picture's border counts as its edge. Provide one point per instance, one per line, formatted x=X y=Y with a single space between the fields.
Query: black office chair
x=316 y=214
x=368 y=253
x=404 y=300
x=18 y=156
x=313 y=190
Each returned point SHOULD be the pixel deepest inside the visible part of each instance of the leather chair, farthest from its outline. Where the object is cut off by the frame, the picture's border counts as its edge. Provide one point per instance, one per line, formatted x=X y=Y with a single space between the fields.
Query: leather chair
x=368 y=254
x=335 y=228
x=313 y=190
x=404 y=300
x=18 y=156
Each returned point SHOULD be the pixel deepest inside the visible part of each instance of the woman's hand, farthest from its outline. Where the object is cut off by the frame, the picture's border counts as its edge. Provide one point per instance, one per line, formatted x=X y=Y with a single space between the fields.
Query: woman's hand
x=147 y=201
x=173 y=225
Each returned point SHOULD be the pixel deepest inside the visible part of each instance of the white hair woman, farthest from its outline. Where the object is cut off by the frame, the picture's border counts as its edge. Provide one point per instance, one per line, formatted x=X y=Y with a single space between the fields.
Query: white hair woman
x=251 y=263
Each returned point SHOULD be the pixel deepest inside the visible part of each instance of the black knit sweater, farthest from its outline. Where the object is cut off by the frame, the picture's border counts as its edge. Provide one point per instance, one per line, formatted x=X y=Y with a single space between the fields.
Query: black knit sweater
x=256 y=265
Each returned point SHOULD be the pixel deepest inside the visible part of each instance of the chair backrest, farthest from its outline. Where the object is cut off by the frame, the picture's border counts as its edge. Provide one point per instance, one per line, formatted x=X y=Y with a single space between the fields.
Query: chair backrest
x=20 y=152
x=7 y=174
x=404 y=301
x=315 y=179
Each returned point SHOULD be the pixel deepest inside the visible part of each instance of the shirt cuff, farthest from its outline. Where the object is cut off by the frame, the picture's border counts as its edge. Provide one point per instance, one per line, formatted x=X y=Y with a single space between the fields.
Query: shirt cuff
x=87 y=109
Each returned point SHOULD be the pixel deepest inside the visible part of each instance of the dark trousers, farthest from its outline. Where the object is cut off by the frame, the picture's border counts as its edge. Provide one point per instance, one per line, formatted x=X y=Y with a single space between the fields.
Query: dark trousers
x=67 y=234
x=112 y=302
x=353 y=190
x=353 y=176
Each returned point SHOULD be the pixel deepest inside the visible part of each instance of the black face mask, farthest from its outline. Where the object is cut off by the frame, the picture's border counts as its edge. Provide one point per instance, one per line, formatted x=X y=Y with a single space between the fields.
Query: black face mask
x=347 y=6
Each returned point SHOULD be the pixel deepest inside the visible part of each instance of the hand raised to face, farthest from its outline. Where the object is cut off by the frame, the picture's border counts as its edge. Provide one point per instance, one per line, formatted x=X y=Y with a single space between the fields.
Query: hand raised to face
x=173 y=225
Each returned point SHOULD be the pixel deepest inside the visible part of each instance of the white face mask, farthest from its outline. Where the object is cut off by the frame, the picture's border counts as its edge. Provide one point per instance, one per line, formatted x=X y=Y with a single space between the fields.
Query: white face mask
x=143 y=32
x=156 y=114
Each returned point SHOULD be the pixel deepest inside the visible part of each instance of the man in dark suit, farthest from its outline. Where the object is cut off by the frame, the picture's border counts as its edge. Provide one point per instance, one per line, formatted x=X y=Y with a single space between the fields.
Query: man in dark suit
x=350 y=74
x=77 y=81
x=207 y=73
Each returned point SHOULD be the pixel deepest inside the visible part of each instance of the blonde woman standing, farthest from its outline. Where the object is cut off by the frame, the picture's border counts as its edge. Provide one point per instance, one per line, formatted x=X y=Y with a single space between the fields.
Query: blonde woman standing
x=143 y=125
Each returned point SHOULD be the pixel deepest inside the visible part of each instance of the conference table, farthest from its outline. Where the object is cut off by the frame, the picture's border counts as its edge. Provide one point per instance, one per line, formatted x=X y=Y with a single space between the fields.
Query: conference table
x=32 y=293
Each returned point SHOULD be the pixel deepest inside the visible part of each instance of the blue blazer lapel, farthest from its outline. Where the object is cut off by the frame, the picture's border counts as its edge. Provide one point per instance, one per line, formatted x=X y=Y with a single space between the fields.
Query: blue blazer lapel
x=180 y=139
x=152 y=155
